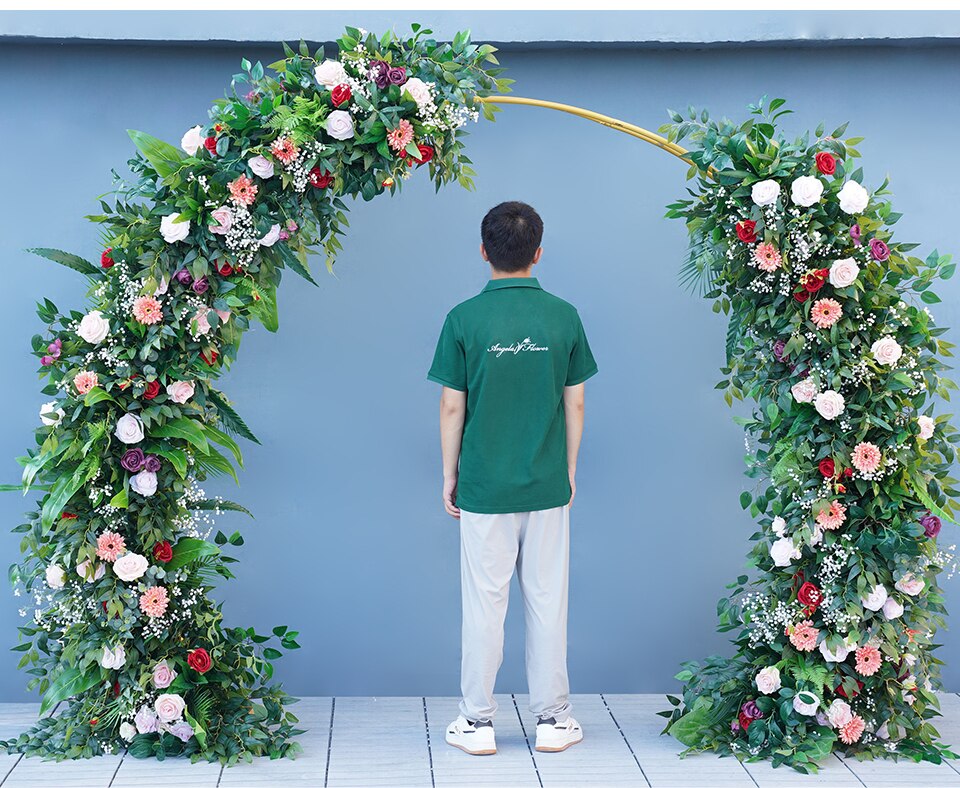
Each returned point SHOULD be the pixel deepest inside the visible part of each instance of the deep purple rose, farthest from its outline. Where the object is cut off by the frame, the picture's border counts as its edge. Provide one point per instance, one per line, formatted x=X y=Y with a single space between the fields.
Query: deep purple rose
x=879 y=250
x=201 y=285
x=378 y=73
x=183 y=277
x=751 y=710
x=931 y=525
x=151 y=463
x=132 y=460
x=397 y=75
x=778 y=348
x=855 y=234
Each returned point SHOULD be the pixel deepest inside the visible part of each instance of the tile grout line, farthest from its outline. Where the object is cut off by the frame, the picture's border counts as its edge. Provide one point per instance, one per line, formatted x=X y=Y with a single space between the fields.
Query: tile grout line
x=326 y=771
x=849 y=768
x=625 y=739
x=115 y=771
x=426 y=722
x=17 y=763
x=220 y=774
x=536 y=769
x=752 y=778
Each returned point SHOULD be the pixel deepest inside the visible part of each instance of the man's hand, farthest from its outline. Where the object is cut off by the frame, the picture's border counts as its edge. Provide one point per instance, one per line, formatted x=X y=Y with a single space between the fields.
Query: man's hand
x=450 y=496
x=573 y=485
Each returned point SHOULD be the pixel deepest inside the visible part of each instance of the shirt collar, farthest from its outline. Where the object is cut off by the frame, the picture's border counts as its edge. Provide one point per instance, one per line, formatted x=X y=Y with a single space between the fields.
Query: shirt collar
x=513 y=281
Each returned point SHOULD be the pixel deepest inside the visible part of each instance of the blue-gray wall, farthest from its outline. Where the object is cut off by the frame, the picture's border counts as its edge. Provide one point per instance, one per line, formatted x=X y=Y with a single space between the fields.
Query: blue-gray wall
x=351 y=545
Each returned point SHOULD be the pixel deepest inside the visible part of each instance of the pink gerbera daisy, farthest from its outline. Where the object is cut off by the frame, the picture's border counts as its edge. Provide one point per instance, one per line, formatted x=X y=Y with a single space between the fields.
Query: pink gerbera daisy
x=243 y=191
x=84 y=381
x=866 y=457
x=110 y=546
x=853 y=730
x=868 y=660
x=398 y=138
x=146 y=310
x=767 y=256
x=825 y=312
x=803 y=636
x=834 y=517
x=154 y=601
x=285 y=149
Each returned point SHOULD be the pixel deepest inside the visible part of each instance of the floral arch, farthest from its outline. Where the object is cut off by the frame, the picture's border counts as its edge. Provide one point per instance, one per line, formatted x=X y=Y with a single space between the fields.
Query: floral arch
x=828 y=337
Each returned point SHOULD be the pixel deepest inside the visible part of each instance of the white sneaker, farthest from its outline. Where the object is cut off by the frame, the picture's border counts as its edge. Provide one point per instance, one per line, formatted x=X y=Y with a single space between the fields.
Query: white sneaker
x=553 y=736
x=474 y=739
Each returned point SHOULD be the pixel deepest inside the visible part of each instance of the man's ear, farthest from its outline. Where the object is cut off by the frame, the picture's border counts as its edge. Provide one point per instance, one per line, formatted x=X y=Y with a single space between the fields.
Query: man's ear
x=483 y=254
x=536 y=255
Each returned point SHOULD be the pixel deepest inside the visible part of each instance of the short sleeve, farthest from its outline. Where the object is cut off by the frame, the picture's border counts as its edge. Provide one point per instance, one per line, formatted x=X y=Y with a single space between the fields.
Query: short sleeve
x=449 y=366
x=582 y=365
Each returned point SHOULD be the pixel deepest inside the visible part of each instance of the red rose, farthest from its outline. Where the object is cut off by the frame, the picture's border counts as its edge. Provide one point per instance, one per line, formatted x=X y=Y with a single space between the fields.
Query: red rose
x=320 y=179
x=801 y=296
x=225 y=269
x=68 y=516
x=153 y=388
x=814 y=280
x=809 y=596
x=426 y=153
x=106 y=261
x=162 y=551
x=843 y=693
x=340 y=95
x=199 y=660
x=848 y=472
x=211 y=359
x=116 y=688
x=744 y=721
x=826 y=163
x=828 y=467
x=746 y=231
x=210 y=143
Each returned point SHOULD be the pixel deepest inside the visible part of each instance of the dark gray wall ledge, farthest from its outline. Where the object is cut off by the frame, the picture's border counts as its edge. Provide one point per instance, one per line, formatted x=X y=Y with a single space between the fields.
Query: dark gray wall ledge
x=513 y=29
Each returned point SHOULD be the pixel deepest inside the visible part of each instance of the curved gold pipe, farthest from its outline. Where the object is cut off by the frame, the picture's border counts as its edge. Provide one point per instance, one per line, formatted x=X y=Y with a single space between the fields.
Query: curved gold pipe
x=596 y=117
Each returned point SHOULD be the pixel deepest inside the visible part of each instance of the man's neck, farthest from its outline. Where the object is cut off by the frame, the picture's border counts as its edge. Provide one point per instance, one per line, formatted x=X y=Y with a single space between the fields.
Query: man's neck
x=524 y=274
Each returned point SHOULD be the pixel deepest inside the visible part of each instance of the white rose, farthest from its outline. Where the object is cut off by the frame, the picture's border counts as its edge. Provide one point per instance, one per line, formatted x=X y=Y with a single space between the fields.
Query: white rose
x=839 y=713
x=765 y=192
x=841 y=653
x=806 y=190
x=330 y=73
x=180 y=391
x=94 y=327
x=843 y=273
x=129 y=428
x=875 y=599
x=927 y=426
x=829 y=404
x=90 y=573
x=784 y=551
x=192 y=141
x=127 y=731
x=804 y=391
x=853 y=197
x=779 y=526
x=130 y=567
x=419 y=91
x=806 y=703
x=262 y=167
x=144 y=483
x=56 y=577
x=272 y=236
x=162 y=287
x=892 y=609
x=768 y=680
x=886 y=351
x=50 y=414
x=113 y=659
x=910 y=584
x=172 y=230
x=169 y=707
x=340 y=124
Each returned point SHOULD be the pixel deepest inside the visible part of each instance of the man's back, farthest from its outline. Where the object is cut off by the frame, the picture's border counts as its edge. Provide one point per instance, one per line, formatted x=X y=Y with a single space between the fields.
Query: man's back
x=513 y=348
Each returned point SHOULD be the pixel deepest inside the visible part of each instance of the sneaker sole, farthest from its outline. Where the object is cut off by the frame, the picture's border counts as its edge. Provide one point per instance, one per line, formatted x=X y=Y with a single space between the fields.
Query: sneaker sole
x=566 y=746
x=472 y=752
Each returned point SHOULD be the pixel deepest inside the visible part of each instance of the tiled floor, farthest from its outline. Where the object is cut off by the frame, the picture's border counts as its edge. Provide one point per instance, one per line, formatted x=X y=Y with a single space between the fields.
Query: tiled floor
x=399 y=742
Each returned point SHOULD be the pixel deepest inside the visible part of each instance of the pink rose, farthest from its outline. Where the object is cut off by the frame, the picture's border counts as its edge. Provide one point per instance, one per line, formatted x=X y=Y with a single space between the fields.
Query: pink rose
x=272 y=236
x=169 y=707
x=926 y=427
x=910 y=584
x=804 y=391
x=163 y=675
x=203 y=325
x=886 y=351
x=146 y=721
x=829 y=404
x=262 y=167
x=223 y=217
x=180 y=391
x=843 y=273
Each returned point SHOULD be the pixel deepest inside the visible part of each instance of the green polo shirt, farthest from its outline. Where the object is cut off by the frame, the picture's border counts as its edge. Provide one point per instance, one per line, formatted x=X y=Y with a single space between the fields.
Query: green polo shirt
x=513 y=348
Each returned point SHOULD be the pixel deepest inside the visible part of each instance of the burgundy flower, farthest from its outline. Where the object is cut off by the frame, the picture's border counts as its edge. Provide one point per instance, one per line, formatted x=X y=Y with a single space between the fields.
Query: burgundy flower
x=132 y=460
x=201 y=286
x=151 y=463
x=931 y=525
x=378 y=73
x=751 y=710
x=778 y=348
x=183 y=277
x=879 y=250
x=855 y=234
x=397 y=75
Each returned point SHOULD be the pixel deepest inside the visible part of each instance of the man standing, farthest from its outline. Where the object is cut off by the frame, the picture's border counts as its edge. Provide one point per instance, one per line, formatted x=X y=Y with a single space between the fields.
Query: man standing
x=512 y=362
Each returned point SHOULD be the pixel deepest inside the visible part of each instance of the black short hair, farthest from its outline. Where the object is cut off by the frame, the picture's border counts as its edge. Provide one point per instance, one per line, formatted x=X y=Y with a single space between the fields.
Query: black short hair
x=511 y=233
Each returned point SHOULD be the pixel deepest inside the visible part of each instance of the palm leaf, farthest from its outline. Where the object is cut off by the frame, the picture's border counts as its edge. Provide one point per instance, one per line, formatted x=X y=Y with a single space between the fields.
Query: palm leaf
x=229 y=419
x=699 y=271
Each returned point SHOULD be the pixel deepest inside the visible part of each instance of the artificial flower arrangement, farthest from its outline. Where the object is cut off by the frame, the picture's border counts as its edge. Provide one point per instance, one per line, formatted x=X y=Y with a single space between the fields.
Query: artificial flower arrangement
x=831 y=340
x=125 y=641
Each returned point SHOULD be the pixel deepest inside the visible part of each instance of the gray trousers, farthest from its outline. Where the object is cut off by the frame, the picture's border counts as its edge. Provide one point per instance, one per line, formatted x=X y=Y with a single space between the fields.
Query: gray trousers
x=537 y=545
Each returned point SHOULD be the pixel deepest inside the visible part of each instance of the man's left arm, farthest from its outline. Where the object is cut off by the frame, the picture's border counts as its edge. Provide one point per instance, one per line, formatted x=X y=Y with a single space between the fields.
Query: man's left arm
x=453 y=411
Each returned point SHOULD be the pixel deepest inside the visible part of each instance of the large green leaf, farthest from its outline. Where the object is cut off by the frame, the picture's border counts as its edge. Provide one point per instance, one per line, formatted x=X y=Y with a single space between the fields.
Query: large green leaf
x=214 y=462
x=163 y=157
x=265 y=309
x=69 y=260
x=690 y=728
x=188 y=550
x=224 y=440
x=185 y=429
x=63 y=489
x=293 y=262
x=70 y=682
x=213 y=504
x=177 y=457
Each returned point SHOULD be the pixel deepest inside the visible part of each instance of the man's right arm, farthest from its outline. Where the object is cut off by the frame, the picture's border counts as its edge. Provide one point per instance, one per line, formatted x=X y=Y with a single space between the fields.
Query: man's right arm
x=453 y=411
